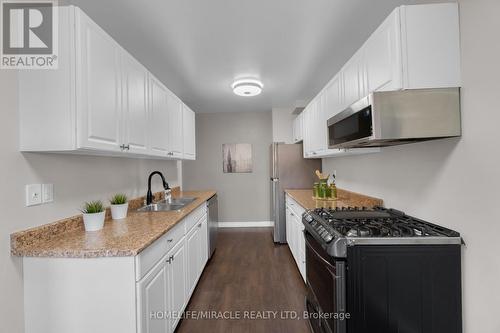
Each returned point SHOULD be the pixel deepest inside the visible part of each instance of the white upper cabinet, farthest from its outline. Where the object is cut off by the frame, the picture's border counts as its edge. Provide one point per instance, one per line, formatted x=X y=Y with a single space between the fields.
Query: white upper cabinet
x=382 y=56
x=334 y=97
x=159 y=118
x=353 y=76
x=135 y=106
x=189 y=129
x=99 y=96
x=430 y=46
x=416 y=47
x=175 y=126
x=99 y=101
x=298 y=133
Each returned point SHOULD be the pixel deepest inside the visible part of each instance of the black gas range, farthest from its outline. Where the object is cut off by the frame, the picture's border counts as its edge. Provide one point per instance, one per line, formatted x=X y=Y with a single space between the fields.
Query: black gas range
x=380 y=270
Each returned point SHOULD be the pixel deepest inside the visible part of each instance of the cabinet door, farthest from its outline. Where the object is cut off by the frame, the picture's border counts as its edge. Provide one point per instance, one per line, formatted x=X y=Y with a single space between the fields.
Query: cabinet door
x=313 y=129
x=177 y=282
x=306 y=130
x=189 y=133
x=152 y=298
x=383 y=56
x=321 y=126
x=293 y=234
x=353 y=75
x=294 y=130
x=203 y=242
x=334 y=98
x=135 y=105
x=297 y=128
x=98 y=87
x=288 y=227
x=193 y=258
x=158 y=120
x=175 y=126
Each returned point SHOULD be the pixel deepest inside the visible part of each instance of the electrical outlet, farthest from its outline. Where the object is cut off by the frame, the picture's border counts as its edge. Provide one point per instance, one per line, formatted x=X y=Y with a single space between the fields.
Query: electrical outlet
x=47 y=193
x=33 y=194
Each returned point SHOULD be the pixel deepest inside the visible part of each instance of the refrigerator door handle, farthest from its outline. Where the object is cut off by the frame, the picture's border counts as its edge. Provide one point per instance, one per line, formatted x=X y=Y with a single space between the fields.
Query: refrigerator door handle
x=274 y=160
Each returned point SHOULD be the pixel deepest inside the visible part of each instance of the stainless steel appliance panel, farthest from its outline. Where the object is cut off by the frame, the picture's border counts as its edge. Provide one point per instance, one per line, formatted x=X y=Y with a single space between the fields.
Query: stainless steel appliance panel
x=213 y=224
x=326 y=282
x=397 y=117
x=289 y=170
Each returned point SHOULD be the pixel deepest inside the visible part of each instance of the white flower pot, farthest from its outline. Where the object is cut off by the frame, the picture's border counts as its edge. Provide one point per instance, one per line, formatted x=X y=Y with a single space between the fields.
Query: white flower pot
x=119 y=212
x=94 y=222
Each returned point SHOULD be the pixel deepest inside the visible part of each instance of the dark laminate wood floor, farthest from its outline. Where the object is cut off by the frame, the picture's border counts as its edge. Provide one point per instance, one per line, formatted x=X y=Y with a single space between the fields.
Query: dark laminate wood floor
x=248 y=272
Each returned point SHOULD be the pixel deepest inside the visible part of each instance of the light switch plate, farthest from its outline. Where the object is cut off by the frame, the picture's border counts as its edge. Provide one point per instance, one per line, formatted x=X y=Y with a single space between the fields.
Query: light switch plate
x=47 y=193
x=33 y=194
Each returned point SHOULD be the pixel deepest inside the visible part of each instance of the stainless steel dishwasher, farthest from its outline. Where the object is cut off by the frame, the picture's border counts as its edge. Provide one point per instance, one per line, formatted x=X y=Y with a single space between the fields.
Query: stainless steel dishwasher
x=213 y=224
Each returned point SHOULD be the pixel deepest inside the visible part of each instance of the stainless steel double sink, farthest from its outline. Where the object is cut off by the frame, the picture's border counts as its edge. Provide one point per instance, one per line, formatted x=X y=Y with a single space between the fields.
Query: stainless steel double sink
x=164 y=206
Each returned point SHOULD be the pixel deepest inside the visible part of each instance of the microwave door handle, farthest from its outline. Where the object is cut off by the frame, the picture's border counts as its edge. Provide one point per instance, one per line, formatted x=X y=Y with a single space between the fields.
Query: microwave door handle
x=329 y=265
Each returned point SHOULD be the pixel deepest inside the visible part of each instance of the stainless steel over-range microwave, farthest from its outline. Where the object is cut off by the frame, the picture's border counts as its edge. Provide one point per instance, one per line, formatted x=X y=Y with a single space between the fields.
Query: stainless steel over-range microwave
x=397 y=117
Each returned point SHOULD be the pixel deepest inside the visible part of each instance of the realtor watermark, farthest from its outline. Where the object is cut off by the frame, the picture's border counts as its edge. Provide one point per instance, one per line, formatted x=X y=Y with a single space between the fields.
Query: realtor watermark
x=247 y=314
x=29 y=34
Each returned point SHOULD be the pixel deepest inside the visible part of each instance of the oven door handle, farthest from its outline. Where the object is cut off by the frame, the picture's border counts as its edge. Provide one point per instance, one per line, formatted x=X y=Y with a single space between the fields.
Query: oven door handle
x=329 y=265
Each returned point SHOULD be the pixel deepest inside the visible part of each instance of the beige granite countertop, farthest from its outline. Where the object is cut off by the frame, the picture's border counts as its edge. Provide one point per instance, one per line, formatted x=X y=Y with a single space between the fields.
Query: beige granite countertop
x=345 y=199
x=128 y=237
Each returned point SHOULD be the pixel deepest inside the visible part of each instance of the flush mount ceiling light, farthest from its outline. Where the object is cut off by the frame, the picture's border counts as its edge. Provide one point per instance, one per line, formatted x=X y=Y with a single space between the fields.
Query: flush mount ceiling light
x=247 y=87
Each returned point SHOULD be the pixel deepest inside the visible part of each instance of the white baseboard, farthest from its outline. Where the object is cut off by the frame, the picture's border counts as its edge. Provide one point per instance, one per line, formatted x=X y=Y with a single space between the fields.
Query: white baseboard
x=246 y=224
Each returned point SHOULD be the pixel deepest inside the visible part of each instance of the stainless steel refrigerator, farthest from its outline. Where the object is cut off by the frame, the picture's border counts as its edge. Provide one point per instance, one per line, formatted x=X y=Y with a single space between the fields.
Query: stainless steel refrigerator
x=289 y=170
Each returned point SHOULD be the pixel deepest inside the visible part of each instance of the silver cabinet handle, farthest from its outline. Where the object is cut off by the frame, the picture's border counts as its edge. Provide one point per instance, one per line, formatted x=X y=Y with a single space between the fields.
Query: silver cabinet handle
x=170 y=259
x=170 y=240
x=170 y=153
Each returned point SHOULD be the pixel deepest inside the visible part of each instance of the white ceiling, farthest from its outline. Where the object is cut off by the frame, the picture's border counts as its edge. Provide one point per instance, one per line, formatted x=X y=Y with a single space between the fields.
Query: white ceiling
x=198 y=47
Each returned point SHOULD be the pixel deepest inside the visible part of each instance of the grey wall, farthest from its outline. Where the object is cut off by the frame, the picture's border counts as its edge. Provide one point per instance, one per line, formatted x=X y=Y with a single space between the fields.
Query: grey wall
x=242 y=197
x=76 y=179
x=454 y=182
x=283 y=124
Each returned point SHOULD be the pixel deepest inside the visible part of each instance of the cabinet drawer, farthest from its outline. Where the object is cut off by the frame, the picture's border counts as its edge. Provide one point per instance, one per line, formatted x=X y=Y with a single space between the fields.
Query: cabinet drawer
x=193 y=218
x=145 y=260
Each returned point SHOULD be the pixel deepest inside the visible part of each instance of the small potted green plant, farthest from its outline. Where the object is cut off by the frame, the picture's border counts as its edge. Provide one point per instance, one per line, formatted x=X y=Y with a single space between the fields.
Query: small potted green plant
x=119 y=206
x=93 y=215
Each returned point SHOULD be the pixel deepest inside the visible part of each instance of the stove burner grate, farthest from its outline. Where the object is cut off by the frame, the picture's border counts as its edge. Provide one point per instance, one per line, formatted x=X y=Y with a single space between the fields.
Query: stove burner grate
x=377 y=222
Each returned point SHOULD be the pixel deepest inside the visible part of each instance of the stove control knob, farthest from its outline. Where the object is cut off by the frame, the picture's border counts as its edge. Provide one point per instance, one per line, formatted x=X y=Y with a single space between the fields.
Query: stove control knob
x=328 y=238
x=308 y=218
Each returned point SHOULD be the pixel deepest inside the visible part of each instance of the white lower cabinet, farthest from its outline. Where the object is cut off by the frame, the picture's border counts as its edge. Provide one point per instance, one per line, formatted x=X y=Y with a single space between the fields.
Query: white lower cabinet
x=152 y=299
x=179 y=271
x=295 y=234
x=197 y=250
x=146 y=293
x=193 y=252
x=176 y=292
x=204 y=241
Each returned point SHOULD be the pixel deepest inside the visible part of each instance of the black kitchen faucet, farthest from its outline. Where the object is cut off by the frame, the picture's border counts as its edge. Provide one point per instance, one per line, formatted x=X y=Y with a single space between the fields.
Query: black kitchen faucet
x=149 y=195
